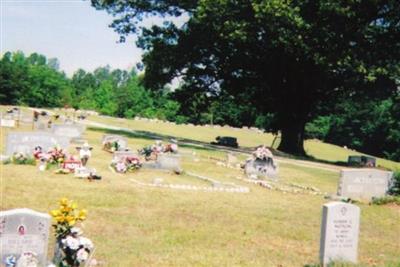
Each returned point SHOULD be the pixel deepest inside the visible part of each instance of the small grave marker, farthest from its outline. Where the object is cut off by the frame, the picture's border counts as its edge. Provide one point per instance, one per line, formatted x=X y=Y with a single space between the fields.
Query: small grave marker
x=169 y=162
x=7 y=123
x=72 y=164
x=339 y=233
x=24 y=230
x=70 y=130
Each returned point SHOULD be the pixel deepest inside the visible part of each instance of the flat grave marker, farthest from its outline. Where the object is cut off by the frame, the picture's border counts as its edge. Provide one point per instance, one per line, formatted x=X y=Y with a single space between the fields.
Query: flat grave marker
x=24 y=230
x=119 y=155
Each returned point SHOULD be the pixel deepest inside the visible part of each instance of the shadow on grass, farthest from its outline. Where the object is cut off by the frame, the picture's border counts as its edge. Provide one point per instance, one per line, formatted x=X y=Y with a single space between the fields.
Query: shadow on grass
x=195 y=144
x=183 y=142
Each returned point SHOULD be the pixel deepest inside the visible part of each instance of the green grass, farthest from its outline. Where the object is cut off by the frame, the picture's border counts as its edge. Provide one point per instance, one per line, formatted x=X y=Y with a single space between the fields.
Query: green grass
x=246 y=138
x=142 y=226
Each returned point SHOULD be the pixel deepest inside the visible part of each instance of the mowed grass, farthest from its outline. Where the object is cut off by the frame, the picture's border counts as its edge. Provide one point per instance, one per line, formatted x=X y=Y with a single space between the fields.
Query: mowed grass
x=142 y=226
x=245 y=137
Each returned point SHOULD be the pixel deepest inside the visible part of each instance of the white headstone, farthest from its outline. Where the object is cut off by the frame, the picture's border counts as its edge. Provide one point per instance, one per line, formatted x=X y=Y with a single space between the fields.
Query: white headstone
x=169 y=162
x=339 y=233
x=70 y=130
x=364 y=183
x=25 y=142
x=24 y=230
x=7 y=123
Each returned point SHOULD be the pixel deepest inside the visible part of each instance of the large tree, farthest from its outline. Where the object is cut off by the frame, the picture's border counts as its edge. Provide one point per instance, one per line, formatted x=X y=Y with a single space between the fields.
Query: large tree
x=287 y=56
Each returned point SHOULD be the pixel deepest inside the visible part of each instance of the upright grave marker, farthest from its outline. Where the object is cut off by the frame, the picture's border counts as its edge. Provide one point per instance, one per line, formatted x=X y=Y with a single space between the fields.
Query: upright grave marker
x=169 y=162
x=70 y=130
x=339 y=233
x=24 y=230
x=364 y=183
x=7 y=123
x=25 y=142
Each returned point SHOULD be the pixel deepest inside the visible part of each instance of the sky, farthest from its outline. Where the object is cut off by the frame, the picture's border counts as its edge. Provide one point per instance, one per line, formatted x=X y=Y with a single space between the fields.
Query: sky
x=70 y=30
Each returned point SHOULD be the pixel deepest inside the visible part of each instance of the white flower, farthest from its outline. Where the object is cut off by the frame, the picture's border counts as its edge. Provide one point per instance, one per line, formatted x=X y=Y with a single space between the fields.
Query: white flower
x=174 y=147
x=28 y=259
x=82 y=255
x=76 y=231
x=121 y=167
x=71 y=242
x=86 y=243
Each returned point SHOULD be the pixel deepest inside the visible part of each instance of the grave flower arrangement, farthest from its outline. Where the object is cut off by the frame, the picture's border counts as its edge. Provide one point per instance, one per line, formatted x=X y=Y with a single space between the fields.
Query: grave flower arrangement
x=57 y=155
x=262 y=153
x=152 y=151
x=111 y=146
x=147 y=152
x=72 y=248
x=22 y=159
x=126 y=164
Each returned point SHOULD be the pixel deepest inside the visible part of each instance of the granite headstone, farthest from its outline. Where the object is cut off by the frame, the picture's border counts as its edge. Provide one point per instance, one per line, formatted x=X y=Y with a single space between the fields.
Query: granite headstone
x=364 y=183
x=24 y=230
x=25 y=142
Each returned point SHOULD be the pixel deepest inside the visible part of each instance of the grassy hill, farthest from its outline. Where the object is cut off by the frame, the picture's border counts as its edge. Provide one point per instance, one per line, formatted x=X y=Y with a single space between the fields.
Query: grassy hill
x=135 y=225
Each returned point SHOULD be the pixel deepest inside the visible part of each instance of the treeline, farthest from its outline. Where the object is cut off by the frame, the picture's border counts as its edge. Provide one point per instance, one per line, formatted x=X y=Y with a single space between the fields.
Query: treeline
x=37 y=81
x=368 y=125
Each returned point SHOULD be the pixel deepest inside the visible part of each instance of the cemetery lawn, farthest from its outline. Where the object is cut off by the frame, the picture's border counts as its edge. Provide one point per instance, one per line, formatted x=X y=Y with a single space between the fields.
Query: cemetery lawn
x=246 y=138
x=142 y=226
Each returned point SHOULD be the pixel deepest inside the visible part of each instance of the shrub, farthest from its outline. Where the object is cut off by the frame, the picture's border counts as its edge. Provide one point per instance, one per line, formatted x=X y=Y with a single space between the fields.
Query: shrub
x=395 y=185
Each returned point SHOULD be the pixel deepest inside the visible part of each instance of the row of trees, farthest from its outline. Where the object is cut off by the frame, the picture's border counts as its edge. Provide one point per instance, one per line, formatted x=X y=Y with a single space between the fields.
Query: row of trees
x=36 y=81
x=368 y=124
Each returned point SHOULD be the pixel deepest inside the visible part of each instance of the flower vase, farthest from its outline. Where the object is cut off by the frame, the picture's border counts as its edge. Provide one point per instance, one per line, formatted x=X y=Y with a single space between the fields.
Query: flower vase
x=58 y=253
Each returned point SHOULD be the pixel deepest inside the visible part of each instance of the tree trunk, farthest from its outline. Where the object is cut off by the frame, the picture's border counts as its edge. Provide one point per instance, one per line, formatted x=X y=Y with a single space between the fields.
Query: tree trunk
x=292 y=138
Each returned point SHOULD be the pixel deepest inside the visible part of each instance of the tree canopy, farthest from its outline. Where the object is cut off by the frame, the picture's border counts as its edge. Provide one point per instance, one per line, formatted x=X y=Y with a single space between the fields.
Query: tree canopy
x=282 y=57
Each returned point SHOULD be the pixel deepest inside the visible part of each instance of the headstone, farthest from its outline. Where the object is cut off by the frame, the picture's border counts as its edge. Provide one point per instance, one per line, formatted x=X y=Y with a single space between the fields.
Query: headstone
x=83 y=172
x=339 y=233
x=261 y=168
x=24 y=230
x=40 y=125
x=70 y=130
x=26 y=119
x=361 y=161
x=169 y=162
x=7 y=123
x=25 y=142
x=364 y=183
x=78 y=140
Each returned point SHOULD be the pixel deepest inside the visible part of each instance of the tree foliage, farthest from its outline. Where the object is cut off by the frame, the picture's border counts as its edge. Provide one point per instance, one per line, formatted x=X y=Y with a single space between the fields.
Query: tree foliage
x=287 y=57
